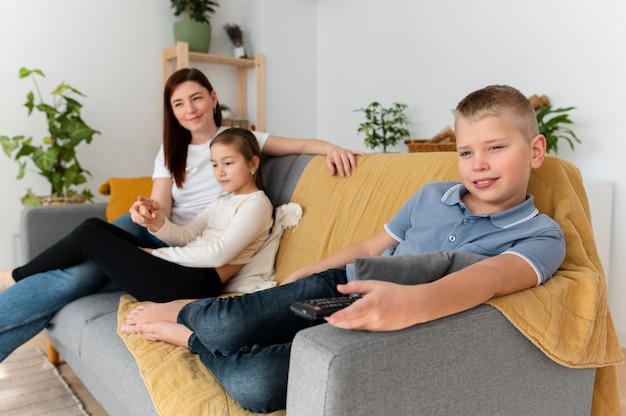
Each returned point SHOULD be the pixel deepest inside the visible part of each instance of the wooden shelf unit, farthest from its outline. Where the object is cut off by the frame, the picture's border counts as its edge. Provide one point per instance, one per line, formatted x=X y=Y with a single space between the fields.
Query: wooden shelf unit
x=178 y=56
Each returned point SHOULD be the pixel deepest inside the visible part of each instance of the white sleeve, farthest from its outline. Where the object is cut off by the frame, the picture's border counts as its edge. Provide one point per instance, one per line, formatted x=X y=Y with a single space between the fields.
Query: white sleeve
x=160 y=171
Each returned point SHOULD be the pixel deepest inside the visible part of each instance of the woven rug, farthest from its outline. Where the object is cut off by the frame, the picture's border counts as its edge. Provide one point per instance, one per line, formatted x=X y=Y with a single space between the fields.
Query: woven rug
x=30 y=385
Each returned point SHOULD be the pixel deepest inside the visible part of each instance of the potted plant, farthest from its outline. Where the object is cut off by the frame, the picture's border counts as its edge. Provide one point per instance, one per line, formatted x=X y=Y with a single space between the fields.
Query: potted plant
x=552 y=124
x=196 y=28
x=384 y=126
x=55 y=158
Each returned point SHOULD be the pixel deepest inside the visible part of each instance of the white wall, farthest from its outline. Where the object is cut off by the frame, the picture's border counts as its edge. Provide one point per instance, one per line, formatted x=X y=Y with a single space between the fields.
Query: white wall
x=429 y=55
x=325 y=58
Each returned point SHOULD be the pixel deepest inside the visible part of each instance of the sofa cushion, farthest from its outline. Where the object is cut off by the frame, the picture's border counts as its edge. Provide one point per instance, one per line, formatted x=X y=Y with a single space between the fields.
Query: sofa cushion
x=123 y=192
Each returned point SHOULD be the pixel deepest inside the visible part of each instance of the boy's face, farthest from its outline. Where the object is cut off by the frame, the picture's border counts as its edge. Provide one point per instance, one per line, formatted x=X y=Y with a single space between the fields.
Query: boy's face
x=495 y=162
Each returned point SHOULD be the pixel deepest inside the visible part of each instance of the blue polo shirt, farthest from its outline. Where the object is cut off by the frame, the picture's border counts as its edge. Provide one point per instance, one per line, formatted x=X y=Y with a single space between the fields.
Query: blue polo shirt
x=436 y=219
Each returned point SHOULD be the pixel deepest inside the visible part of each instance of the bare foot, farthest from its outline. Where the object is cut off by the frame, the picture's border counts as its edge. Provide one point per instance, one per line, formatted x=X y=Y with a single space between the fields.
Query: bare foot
x=172 y=333
x=151 y=312
x=6 y=279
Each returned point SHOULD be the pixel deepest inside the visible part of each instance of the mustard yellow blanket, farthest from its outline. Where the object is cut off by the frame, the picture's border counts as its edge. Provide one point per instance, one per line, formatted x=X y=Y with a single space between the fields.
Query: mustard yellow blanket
x=567 y=318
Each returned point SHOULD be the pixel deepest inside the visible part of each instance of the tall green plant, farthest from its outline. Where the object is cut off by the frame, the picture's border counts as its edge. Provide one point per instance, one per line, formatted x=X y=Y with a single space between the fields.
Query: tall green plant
x=55 y=158
x=195 y=10
x=383 y=127
x=552 y=123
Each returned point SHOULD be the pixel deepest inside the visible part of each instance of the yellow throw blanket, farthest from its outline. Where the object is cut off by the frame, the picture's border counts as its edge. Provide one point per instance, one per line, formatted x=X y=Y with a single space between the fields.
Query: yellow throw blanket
x=567 y=318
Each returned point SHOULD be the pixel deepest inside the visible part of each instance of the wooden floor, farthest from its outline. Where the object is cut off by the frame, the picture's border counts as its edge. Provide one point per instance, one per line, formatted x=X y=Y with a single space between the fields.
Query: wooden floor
x=94 y=408
x=91 y=405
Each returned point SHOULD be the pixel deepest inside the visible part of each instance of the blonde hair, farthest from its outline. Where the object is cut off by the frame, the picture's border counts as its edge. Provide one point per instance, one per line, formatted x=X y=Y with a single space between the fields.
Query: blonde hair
x=499 y=100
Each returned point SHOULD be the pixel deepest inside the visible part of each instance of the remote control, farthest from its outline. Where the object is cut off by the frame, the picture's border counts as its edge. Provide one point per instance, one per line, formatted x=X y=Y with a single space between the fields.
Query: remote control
x=319 y=308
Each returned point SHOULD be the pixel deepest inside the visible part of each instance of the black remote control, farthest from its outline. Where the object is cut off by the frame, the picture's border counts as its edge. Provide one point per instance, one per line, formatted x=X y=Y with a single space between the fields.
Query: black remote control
x=319 y=308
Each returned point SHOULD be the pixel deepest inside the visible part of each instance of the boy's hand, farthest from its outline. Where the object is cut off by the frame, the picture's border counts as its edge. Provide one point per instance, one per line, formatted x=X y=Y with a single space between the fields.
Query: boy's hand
x=385 y=307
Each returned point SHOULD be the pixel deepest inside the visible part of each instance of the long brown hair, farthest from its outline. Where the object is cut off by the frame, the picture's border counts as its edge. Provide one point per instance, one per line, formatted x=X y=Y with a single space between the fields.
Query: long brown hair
x=176 y=138
x=246 y=144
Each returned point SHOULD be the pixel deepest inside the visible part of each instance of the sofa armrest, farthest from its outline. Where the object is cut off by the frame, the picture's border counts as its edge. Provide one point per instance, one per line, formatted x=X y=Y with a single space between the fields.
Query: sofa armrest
x=40 y=227
x=471 y=363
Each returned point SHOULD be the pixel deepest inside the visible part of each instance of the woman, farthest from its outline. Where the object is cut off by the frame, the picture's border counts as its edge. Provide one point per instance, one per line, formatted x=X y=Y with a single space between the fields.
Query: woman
x=191 y=118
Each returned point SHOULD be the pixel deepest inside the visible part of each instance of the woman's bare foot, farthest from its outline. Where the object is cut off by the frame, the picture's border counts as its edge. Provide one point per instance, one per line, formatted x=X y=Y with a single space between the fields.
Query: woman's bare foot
x=172 y=333
x=6 y=279
x=151 y=312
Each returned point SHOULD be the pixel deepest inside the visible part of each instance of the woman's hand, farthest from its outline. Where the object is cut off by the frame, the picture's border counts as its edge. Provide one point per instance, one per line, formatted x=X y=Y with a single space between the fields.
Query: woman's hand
x=341 y=161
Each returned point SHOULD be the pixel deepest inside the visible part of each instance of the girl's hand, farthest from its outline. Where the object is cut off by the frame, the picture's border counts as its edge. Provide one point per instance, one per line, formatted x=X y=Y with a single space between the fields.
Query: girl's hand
x=144 y=211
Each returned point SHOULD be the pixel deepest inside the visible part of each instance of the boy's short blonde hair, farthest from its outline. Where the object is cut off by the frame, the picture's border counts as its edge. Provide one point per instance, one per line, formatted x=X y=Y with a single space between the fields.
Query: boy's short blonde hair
x=498 y=100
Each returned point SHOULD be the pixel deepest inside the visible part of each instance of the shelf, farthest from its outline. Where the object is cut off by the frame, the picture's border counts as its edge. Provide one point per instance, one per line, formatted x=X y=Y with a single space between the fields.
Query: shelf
x=178 y=56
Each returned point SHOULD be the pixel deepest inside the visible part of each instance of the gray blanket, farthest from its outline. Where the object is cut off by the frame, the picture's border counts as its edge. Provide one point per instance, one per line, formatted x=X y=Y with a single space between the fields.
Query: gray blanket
x=413 y=269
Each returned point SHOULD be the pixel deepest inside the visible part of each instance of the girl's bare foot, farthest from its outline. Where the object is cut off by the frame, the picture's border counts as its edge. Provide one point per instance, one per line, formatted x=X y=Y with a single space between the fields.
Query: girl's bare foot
x=151 y=312
x=6 y=279
x=172 y=333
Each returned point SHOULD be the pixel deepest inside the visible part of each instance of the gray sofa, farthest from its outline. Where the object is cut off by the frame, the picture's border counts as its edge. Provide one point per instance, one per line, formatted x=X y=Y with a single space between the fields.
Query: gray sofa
x=472 y=363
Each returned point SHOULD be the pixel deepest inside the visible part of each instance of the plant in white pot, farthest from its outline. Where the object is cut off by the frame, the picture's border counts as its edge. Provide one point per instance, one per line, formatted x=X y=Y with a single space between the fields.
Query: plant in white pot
x=383 y=126
x=196 y=28
x=55 y=157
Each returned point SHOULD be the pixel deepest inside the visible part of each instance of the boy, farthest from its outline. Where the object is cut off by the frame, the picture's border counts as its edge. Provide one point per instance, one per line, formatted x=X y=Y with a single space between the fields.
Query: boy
x=245 y=341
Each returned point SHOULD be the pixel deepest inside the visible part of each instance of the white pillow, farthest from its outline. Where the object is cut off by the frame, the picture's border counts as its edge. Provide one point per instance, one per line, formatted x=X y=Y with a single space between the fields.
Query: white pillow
x=259 y=273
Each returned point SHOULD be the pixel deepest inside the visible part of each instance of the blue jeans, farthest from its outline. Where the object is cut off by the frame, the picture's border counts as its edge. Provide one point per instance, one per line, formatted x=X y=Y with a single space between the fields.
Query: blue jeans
x=245 y=341
x=27 y=307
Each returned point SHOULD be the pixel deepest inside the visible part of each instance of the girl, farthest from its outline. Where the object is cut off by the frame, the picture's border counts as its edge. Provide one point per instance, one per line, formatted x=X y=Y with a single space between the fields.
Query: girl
x=204 y=253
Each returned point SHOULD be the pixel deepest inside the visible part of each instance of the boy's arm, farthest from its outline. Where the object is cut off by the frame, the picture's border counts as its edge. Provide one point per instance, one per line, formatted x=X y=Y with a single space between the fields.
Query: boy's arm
x=372 y=246
x=389 y=306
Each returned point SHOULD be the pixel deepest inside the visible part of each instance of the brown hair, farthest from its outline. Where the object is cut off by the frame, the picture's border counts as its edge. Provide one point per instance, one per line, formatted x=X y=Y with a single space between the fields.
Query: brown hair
x=498 y=100
x=176 y=138
x=246 y=144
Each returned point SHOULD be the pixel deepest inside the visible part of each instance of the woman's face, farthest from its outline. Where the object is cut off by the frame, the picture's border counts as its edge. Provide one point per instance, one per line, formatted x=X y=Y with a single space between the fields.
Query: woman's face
x=193 y=105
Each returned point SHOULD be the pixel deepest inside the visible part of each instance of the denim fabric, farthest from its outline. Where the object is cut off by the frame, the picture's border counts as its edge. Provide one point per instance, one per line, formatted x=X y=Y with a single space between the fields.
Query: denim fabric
x=245 y=341
x=27 y=307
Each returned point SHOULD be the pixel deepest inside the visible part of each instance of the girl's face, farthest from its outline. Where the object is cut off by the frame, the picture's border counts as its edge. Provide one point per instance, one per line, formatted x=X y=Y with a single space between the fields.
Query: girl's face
x=193 y=105
x=233 y=172
x=495 y=161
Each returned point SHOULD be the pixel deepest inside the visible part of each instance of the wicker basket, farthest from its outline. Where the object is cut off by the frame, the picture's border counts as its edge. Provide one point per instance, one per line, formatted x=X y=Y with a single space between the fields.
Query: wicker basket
x=417 y=145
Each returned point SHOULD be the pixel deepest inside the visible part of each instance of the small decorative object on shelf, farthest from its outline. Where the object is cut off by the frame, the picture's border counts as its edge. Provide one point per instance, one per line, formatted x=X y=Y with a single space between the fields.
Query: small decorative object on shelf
x=444 y=141
x=237 y=122
x=55 y=158
x=236 y=37
x=383 y=126
x=552 y=127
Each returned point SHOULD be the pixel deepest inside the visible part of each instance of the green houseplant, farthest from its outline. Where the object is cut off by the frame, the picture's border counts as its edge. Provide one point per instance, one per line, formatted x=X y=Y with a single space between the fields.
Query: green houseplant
x=383 y=127
x=552 y=124
x=196 y=28
x=55 y=158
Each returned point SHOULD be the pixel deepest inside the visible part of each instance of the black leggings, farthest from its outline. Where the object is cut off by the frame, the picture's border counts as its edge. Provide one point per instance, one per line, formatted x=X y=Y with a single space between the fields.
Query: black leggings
x=117 y=253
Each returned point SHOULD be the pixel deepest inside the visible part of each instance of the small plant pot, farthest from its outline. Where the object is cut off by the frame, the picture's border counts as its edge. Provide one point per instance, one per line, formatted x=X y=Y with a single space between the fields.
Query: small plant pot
x=196 y=34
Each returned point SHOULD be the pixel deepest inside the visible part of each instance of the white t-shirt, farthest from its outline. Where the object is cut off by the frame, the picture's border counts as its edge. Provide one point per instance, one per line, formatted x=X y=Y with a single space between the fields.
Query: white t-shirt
x=200 y=187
